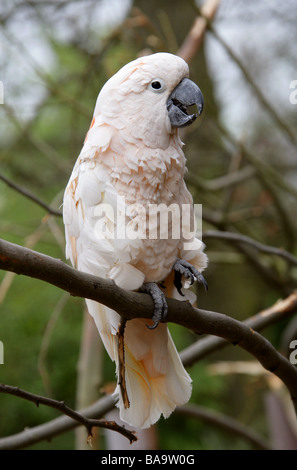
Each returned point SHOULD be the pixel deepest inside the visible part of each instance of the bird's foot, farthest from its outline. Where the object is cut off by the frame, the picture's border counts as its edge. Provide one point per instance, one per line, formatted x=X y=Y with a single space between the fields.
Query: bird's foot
x=183 y=268
x=159 y=299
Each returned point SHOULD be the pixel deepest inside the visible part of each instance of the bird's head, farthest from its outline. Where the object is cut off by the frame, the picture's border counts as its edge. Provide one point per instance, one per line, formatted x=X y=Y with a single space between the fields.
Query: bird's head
x=149 y=98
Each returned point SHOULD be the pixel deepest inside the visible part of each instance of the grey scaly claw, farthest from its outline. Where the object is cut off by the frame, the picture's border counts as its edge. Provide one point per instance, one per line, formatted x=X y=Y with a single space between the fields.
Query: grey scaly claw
x=160 y=304
x=183 y=268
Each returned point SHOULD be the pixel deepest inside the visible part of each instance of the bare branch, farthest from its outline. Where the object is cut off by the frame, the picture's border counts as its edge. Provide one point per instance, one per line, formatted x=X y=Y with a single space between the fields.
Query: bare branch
x=40 y=144
x=41 y=364
x=30 y=196
x=224 y=422
x=190 y=355
x=231 y=236
x=272 y=180
x=128 y=304
x=229 y=179
x=264 y=169
x=194 y=39
x=261 y=98
x=60 y=406
x=204 y=346
x=55 y=427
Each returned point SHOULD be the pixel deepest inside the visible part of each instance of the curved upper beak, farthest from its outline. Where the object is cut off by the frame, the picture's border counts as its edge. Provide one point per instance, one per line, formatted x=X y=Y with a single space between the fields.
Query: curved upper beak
x=185 y=94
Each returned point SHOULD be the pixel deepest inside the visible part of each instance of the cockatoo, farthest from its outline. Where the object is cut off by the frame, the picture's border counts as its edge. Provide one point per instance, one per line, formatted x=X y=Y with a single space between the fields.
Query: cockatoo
x=131 y=162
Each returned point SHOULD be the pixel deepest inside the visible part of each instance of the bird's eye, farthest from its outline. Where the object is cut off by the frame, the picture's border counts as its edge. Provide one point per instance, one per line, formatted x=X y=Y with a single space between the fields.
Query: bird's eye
x=157 y=85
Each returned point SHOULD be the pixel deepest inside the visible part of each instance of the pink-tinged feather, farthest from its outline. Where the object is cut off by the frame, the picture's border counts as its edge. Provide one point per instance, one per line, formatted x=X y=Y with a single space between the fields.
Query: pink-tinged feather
x=132 y=152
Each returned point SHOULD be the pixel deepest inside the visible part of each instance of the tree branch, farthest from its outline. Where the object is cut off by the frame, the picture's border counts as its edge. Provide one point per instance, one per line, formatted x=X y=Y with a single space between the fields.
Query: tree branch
x=30 y=196
x=55 y=427
x=223 y=422
x=194 y=39
x=205 y=346
x=128 y=304
x=250 y=80
x=198 y=350
x=60 y=405
x=232 y=236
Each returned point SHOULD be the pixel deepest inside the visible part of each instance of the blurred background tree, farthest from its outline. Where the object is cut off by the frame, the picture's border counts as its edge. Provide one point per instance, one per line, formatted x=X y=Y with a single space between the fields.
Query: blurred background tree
x=55 y=57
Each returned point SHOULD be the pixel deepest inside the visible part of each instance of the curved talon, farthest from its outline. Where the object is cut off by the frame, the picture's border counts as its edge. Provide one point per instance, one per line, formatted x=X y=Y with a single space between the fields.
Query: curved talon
x=183 y=268
x=178 y=283
x=160 y=304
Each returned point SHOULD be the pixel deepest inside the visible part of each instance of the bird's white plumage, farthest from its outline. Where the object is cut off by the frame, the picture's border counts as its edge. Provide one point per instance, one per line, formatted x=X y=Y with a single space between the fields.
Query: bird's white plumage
x=131 y=155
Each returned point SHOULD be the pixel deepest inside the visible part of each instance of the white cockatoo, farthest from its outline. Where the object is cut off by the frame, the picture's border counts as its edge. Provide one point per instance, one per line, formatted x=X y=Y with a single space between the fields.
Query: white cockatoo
x=130 y=168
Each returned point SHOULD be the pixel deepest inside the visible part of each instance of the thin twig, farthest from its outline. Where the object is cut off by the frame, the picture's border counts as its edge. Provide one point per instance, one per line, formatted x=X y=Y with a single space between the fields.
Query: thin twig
x=60 y=406
x=273 y=181
x=231 y=236
x=41 y=145
x=202 y=23
x=229 y=179
x=55 y=427
x=262 y=99
x=30 y=196
x=264 y=169
x=41 y=363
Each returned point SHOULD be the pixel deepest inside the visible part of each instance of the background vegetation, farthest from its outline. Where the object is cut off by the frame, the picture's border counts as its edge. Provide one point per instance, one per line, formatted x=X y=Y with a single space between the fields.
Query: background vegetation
x=55 y=57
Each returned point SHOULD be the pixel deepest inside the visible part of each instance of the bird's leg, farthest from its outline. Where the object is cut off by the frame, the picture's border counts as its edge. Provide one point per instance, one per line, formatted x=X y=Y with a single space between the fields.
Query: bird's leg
x=159 y=299
x=183 y=268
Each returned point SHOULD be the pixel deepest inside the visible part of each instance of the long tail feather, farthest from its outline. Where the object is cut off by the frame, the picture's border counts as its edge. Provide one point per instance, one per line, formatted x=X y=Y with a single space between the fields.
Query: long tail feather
x=156 y=381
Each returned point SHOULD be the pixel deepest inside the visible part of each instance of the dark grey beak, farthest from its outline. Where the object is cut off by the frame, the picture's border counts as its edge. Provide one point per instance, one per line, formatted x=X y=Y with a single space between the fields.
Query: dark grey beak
x=185 y=94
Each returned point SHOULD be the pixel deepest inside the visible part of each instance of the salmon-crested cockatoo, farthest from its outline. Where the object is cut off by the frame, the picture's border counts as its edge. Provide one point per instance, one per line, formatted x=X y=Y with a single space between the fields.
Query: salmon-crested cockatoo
x=128 y=176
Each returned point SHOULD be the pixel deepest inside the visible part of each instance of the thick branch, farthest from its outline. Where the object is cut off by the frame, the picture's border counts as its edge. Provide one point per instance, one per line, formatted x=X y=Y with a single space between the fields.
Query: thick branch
x=189 y=356
x=128 y=304
x=209 y=344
